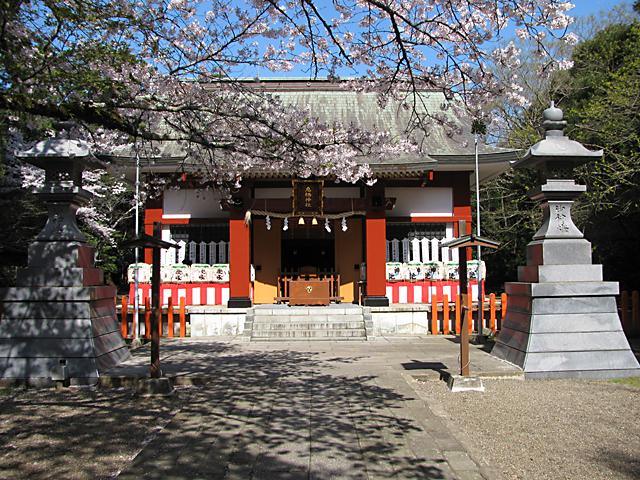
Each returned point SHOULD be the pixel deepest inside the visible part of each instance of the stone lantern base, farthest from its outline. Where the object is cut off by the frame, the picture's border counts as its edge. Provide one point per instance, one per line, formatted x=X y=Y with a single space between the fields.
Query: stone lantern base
x=59 y=323
x=562 y=319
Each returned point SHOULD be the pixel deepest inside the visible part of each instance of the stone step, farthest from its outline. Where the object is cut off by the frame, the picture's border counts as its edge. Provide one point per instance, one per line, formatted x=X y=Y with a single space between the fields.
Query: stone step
x=310 y=334
x=307 y=318
x=286 y=311
x=336 y=323
x=307 y=326
x=306 y=339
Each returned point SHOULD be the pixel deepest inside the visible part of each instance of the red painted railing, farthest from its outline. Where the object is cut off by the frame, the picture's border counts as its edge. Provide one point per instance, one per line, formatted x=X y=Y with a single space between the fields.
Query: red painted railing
x=444 y=316
x=167 y=325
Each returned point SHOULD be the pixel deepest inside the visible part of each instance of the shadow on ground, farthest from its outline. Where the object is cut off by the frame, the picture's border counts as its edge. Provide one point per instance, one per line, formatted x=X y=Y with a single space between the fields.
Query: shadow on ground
x=262 y=413
x=283 y=414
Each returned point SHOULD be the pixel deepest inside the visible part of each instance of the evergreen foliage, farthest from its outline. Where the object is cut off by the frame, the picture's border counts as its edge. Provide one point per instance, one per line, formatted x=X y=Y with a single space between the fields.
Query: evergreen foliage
x=600 y=96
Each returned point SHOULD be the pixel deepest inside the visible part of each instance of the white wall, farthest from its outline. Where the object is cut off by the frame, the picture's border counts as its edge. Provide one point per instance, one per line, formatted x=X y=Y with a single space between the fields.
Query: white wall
x=186 y=203
x=421 y=202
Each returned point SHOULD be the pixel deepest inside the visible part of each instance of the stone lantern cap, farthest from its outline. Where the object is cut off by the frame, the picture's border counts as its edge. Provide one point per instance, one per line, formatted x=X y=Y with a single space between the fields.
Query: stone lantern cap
x=556 y=147
x=63 y=161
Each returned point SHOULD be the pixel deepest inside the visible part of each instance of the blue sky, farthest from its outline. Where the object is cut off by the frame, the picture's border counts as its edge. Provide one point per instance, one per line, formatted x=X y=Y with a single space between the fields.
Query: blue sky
x=582 y=8
x=588 y=7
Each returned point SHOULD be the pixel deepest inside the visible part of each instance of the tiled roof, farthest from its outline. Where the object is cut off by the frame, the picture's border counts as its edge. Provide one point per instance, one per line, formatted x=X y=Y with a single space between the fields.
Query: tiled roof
x=441 y=147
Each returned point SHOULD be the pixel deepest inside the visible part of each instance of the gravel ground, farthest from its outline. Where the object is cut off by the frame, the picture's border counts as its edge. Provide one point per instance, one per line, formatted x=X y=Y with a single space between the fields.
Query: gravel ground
x=557 y=429
x=76 y=434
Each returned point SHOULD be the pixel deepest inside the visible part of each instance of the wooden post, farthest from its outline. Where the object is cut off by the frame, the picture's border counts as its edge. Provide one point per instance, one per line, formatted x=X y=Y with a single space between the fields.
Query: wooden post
x=183 y=318
x=470 y=313
x=457 y=313
x=464 y=340
x=147 y=318
x=170 y=318
x=445 y=314
x=123 y=314
x=466 y=315
x=434 y=315
x=492 y=312
x=635 y=312
x=156 y=317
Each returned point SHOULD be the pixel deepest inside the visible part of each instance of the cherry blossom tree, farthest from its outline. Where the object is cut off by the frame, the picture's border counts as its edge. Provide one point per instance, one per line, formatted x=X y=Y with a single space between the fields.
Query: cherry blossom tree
x=153 y=71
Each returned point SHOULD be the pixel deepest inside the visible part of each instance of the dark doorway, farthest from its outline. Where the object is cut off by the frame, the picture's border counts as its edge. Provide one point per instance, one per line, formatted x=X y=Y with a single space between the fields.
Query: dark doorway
x=307 y=249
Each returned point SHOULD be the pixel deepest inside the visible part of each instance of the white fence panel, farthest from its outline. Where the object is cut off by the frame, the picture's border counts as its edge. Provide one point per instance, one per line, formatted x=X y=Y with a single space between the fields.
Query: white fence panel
x=212 y=253
x=222 y=251
x=192 y=252
x=202 y=251
x=171 y=256
x=435 y=247
x=182 y=252
x=415 y=250
x=395 y=250
x=405 y=250
x=424 y=243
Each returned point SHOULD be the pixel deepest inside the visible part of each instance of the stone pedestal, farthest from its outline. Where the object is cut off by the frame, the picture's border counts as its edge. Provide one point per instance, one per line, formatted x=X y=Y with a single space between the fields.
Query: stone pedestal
x=562 y=319
x=59 y=323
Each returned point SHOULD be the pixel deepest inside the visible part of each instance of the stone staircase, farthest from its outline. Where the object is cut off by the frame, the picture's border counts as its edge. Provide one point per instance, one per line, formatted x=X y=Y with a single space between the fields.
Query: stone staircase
x=341 y=322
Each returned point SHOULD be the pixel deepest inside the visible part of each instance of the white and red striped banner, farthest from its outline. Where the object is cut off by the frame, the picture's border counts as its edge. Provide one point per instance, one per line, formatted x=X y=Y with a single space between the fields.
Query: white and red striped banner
x=193 y=293
x=422 y=291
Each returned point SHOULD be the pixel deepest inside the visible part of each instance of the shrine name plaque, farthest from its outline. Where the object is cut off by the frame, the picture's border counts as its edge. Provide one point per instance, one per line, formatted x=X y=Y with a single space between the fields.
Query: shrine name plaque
x=309 y=292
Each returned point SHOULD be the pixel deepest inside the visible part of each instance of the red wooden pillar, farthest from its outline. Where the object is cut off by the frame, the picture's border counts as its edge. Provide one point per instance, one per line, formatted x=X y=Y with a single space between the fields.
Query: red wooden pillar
x=239 y=264
x=152 y=214
x=376 y=249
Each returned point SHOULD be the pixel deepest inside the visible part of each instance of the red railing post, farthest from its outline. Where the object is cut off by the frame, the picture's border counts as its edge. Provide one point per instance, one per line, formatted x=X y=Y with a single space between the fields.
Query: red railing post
x=445 y=314
x=183 y=317
x=470 y=313
x=434 y=315
x=503 y=306
x=457 y=314
x=147 y=318
x=492 y=312
x=123 y=314
x=170 y=318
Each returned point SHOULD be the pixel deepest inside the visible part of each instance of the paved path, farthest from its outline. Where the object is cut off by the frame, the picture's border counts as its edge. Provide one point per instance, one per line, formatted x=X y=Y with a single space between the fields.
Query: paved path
x=307 y=410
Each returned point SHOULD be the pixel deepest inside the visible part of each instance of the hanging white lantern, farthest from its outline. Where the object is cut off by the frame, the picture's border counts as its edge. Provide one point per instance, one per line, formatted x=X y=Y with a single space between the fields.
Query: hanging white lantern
x=267 y=222
x=285 y=224
x=327 y=226
x=344 y=224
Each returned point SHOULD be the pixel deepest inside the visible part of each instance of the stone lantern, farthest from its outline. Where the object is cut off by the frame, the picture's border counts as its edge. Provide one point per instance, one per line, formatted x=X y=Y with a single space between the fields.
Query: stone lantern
x=59 y=323
x=562 y=319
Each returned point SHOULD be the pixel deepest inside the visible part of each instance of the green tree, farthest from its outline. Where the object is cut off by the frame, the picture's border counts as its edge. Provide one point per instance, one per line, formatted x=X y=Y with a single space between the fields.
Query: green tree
x=602 y=106
x=600 y=96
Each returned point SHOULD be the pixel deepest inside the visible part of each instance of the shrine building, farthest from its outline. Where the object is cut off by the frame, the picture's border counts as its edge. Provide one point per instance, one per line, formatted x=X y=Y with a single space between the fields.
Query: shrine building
x=298 y=241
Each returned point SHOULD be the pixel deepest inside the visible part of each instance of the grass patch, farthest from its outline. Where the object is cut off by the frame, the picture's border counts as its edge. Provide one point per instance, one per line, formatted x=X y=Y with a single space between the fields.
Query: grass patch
x=629 y=381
